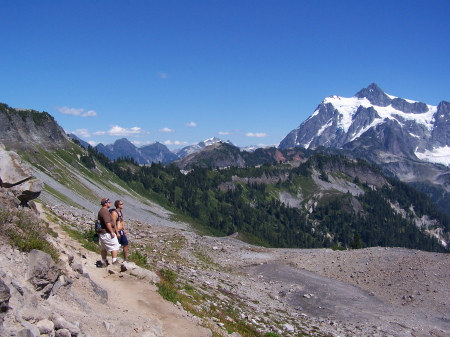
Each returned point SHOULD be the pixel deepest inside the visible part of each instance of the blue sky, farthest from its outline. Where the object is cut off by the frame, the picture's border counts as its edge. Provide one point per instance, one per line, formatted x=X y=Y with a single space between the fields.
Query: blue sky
x=179 y=72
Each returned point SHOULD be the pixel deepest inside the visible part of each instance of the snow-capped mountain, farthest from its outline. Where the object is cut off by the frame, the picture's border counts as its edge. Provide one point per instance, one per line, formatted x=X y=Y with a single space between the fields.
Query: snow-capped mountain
x=185 y=151
x=407 y=139
x=373 y=121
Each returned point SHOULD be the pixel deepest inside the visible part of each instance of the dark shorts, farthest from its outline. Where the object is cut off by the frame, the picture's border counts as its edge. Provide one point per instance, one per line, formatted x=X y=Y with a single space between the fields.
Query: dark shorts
x=123 y=241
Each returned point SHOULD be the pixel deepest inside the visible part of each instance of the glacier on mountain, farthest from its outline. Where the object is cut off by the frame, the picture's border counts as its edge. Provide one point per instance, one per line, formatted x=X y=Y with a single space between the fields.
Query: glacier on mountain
x=347 y=107
x=399 y=126
x=439 y=155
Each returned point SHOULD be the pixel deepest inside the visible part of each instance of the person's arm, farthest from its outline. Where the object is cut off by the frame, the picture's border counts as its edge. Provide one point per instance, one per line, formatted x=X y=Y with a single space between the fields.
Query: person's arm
x=114 y=216
x=110 y=229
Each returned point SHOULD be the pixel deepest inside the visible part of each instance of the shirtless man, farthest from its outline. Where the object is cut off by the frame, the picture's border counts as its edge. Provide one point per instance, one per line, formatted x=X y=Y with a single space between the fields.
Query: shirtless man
x=117 y=218
x=107 y=236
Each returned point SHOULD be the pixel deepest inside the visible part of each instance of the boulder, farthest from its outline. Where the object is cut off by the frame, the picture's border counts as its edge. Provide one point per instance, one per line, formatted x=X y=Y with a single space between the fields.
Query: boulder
x=42 y=272
x=62 y=324
x=16 y=176
x=5 y=295
x=26 y=333
x=63 y=333
x=12 y=169
x=28 y=190
x=45 y=326
x=141 y=273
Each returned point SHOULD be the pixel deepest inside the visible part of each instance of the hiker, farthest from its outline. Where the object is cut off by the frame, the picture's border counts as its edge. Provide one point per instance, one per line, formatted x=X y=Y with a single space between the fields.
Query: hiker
x=107 y=236
x=119 y=223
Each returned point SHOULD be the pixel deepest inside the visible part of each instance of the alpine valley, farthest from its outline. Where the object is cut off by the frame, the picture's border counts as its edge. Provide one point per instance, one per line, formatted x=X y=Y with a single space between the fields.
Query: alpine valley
x=408 y=140
x=338 y=180
x=327 y=234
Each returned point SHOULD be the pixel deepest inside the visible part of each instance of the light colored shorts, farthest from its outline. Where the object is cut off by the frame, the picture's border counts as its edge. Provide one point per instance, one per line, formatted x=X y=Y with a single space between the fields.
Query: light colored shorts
x=107 y=243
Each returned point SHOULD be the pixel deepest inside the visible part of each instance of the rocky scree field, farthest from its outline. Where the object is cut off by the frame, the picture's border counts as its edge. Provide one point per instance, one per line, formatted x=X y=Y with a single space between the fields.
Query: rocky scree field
x=251 y=290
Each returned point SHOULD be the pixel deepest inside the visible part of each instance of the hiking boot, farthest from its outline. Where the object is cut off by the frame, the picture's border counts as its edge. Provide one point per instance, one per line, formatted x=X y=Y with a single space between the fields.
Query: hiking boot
x=101 y=264
x=116 y=262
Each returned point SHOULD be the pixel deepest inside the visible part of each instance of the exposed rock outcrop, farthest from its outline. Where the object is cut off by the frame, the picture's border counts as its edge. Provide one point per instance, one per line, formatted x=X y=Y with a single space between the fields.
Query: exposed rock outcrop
x=16 y=176
x=29 y=129
x=42 y=272
x=5 y=295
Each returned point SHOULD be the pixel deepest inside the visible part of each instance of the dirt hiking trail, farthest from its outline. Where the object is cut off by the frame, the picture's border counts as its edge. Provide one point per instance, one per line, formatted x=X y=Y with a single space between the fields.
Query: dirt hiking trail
x=132 y=306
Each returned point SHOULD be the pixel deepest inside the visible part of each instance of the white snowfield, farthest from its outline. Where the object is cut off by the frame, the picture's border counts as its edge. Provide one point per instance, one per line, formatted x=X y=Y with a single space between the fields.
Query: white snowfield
x=440 y=155
x=347 y=108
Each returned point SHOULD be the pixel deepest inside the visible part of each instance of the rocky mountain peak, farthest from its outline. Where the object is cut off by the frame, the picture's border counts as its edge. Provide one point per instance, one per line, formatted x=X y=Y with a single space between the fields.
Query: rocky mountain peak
x=376 y=119
x=209 y=141
x=375 y=95
x=122 y=144
x=406 y=138
x=190 y=149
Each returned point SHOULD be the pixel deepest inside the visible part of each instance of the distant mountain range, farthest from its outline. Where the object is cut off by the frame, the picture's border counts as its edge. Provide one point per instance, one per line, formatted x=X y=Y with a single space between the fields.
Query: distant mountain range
x=147 y=154
x=407 y=139
x=369 y=124
x=331 y=192
x=372 y=124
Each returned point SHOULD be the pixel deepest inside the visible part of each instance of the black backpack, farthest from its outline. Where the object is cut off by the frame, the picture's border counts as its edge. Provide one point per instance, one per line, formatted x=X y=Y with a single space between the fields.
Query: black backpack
x=97 y=230
x=97 y=226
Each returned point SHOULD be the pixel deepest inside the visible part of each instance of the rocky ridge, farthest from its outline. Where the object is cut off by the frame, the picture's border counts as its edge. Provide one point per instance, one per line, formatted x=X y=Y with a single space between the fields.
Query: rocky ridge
x=29 y=130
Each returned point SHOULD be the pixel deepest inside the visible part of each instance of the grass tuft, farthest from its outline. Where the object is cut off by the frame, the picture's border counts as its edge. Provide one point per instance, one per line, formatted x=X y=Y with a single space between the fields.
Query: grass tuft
x=167 y=288
x=139 y=258
x=27 y=232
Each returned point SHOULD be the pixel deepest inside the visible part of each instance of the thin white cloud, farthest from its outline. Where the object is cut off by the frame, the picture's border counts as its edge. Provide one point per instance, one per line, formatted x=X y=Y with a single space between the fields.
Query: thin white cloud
x=166 y=129
x=70 y=111
x=92 y=143
x=76 y=112
x=162 y=75
x=90 y=113
x=257 y=134
x=82 y=133
x=142 y=143
x=175 y=142
x=120 y=131
x=224 y=133
x=190 y=125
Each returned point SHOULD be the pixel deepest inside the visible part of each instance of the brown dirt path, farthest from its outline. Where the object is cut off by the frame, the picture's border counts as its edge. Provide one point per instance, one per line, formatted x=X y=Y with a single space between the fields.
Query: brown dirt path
x=133 y=308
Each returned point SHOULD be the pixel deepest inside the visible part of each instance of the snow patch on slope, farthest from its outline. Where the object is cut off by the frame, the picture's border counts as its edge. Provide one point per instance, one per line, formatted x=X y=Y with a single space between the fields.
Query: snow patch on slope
x=440 y=155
